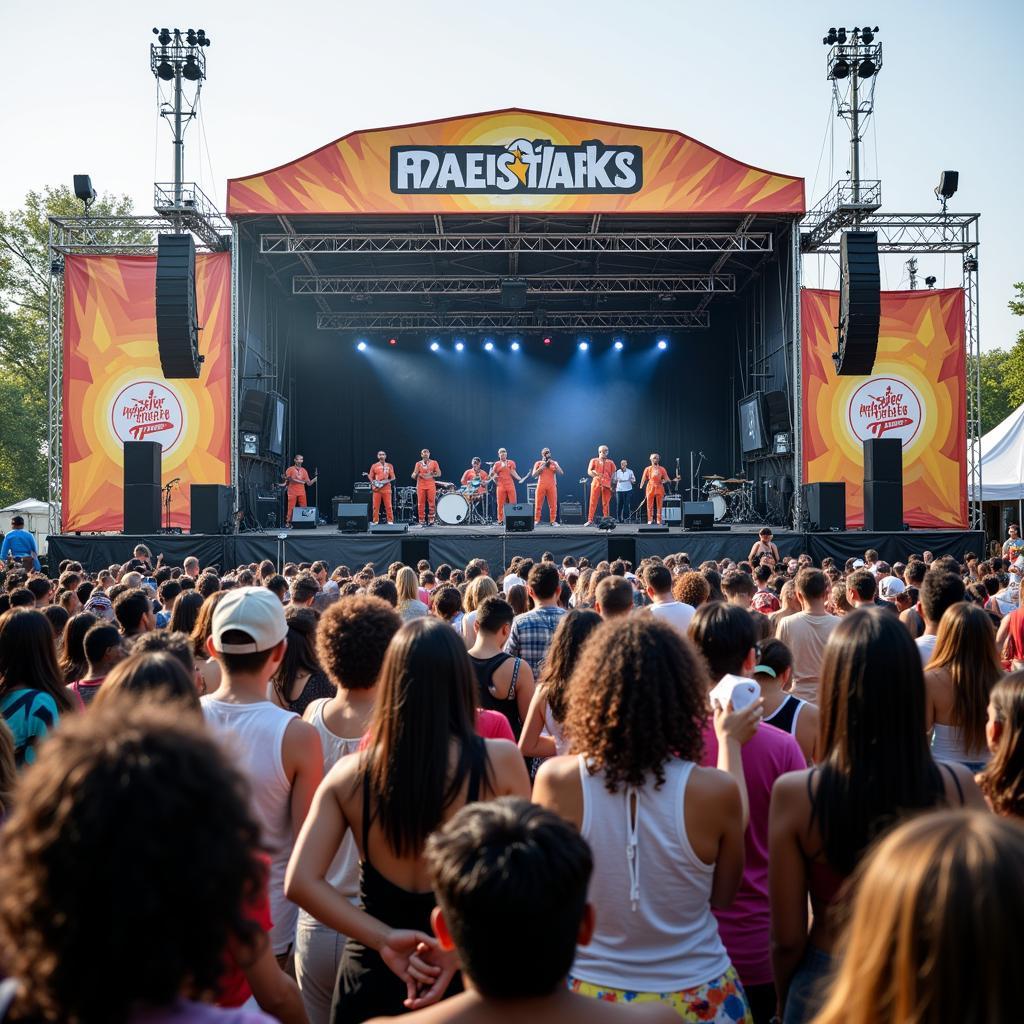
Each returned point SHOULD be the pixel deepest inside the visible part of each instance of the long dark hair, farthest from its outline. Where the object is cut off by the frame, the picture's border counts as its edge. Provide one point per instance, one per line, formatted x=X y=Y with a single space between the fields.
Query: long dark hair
x=426 y=700
x=876 y=767
x=300 y=655
x=72 y=662
x=573 y=628
x=185 y=612
x=28 y=656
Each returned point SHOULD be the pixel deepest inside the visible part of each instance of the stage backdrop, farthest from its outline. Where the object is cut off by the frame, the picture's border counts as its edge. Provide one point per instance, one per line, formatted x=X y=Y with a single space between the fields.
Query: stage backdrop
x=916 y=393
x=115 y=391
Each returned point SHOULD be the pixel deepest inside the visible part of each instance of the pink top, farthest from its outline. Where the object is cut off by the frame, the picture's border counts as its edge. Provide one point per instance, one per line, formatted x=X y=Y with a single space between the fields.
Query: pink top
x=745 y=927
x=490 y=725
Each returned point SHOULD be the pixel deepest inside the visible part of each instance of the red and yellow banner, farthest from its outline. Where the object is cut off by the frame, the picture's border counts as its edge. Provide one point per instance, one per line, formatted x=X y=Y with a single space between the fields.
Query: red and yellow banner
x=916 y=393
x=115 y=391
x=519 y=161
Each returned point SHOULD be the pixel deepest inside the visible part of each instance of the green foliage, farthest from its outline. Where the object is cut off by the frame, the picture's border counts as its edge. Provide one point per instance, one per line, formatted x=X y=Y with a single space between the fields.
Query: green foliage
x=1002 y=373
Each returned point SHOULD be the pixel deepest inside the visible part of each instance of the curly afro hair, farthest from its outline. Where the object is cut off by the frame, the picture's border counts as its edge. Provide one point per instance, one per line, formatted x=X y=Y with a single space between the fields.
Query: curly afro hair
x=637 y=698
x=352 y=638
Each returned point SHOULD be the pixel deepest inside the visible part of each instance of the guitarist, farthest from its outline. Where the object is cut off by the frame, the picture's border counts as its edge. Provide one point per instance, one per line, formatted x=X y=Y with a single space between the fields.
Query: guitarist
x=381 y=475
x=295 y=479
x=425 y=473
x=601 y=470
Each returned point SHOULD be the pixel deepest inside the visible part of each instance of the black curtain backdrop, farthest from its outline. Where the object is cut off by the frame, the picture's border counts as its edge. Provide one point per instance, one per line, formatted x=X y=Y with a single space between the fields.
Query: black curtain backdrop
x=403 y=398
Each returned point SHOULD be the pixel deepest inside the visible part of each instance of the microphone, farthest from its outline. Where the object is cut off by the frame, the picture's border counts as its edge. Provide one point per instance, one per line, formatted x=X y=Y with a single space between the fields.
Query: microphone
x=176 y=480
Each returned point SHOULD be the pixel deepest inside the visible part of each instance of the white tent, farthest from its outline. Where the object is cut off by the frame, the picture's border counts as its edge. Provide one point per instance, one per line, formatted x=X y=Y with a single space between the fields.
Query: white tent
x=36 y=515
x=1002 y=460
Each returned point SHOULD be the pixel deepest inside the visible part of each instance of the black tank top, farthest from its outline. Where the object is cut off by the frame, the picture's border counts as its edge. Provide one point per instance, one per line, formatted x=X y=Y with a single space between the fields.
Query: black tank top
x=484 y=669
x=785 y=714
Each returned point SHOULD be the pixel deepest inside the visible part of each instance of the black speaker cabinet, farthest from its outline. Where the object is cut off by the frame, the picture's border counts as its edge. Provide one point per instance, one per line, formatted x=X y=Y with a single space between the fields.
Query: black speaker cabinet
x=698 y=515
x=860 y=303
x=142 y=463
x=212 y=507
x=353 y=517
x=304 y=517
x=142 y=508
x=883 y=506
x=252 y=411
x=776 y=404
x=826 y=506
x=389 y=527
x=883 y=460
x=177 y=330
x=518 y=518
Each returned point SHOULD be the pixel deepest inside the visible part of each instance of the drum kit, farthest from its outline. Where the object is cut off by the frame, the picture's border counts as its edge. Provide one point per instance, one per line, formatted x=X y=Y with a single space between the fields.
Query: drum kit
x=465 y=504
x=731 y=497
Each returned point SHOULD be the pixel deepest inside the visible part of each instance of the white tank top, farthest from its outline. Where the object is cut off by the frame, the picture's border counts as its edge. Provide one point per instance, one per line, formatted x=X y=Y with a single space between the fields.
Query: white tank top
x=948 y=745
x=254 y=734
x=651 y=892
x=343 y=872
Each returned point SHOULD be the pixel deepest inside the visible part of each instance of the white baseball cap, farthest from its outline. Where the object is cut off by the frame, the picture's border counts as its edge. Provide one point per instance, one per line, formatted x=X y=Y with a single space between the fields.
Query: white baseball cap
x=254 y=611
x=858 y=563
x=891 y=586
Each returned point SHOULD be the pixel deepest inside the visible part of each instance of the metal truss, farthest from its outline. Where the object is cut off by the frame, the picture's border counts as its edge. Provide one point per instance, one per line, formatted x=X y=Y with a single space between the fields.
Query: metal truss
x=55 y=377
x=188 y=208
x=972 y=338
x=910 y=233
x=842 y=206
x=584 y=284
x=104 y=236
x=510 y=321
x=579 y=242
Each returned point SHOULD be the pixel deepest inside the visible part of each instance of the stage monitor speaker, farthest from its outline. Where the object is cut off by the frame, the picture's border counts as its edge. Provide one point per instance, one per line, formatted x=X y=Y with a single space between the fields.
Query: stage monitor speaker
x=353 y=517
x=142 y=463
x=389 y=528
x=672 y=509
x=883 y=506
x=414 y=550
x=142 y=508
x=826 y=507
x=177 y=330
x=776 y=405
x=698 y=515
x=212 y=506
x=883 y=460
x=623 y=548
x=570 y=512
x=304 y=517
x=654 y=529
x=860 y=304
x=252 y=411
x=518 y=518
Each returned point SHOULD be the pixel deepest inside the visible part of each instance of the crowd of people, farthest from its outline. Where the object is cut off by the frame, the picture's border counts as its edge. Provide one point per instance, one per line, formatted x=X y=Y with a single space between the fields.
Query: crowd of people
x=749 y=790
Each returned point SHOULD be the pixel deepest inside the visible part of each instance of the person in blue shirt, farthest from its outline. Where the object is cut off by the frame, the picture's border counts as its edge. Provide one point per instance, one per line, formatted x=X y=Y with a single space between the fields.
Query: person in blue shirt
x=19 y=543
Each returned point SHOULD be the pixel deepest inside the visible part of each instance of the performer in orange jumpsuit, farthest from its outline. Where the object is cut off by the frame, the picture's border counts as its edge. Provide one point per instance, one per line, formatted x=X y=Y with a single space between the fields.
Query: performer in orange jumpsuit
x=295 y=479
x=545 y=469
x=503 y=471
x=425 y=473
x=654 y=479
x=600 y=472
x=381 y=474
x=474 y=481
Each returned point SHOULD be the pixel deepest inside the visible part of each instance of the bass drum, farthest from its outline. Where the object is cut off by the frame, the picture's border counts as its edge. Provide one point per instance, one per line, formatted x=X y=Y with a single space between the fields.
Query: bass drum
x=717 y=503
x=452 y=509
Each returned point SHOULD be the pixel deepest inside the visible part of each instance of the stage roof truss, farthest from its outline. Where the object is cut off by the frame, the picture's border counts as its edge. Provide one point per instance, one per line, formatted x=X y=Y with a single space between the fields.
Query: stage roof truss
x=907 y=233
x=539 y=320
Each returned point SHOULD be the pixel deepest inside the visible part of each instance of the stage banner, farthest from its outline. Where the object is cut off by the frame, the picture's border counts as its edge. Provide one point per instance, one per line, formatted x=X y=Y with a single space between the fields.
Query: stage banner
x=521 y=161
x=114 y=389
x=915 y=393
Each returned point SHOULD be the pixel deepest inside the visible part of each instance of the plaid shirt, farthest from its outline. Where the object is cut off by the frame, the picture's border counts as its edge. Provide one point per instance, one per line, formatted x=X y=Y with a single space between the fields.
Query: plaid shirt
x=531 y=635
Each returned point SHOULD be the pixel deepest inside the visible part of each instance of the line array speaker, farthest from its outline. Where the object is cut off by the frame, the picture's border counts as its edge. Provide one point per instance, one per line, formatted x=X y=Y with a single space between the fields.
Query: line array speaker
x=860 y=303
x=776 y=404
x=177 y=330
x=826 y=506
x=252 y=411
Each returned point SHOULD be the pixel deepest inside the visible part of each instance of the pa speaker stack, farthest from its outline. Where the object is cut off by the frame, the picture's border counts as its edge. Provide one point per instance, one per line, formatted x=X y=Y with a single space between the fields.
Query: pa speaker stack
x=860 y=304
x=177 y=330
x=826 y=507
x=142 y=469
x=883 y=484
x=212 y=508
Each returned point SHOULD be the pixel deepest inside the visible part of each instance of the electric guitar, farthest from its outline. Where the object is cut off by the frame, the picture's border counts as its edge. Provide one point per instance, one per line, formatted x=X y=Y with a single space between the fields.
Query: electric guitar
x=377 y=484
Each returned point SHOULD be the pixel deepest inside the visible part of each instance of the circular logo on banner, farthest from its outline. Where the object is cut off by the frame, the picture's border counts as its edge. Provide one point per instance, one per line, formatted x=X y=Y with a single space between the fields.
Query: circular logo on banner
x=885 y=407
x=147 y=410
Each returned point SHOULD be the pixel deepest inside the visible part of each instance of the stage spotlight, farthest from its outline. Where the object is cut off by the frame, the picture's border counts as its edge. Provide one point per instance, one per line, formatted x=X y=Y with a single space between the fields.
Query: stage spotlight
x=392 y=341
x=488 y=345
x=867 y=34
x=514 y=346
x=841 y=69
x=191 y=71
x=547 y=341
x=583 y=346
x=459 y=346
x=434 y=346
x=841 y=36
x=867 y=68
x=163 y=36
x=930 y=281
x=662 y=344
x=618 y=345
x=361 y=346
x=165 y=70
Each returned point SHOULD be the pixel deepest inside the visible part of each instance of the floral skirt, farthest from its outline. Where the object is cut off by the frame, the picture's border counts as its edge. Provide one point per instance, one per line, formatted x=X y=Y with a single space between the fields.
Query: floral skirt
x=720 y=1001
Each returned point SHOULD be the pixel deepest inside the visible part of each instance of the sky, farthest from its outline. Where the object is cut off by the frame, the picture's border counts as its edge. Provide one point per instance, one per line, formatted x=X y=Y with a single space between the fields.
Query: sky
x=744 y=77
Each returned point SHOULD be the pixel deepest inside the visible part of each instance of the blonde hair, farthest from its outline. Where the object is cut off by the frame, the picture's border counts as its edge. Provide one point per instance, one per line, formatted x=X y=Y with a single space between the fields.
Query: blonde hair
x=478 y=591
x=934 y=925
x=407 y=584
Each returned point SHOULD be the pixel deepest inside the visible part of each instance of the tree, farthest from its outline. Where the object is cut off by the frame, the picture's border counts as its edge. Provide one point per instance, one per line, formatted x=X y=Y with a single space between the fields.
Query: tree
x=24 y=330
x=1015 y=362
x=995 y=395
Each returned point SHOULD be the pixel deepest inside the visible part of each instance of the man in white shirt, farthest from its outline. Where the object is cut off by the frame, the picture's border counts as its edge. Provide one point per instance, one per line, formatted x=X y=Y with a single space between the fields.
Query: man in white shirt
x=807 y=632
x=659 y=589
x=939 y=590
x=625 y=480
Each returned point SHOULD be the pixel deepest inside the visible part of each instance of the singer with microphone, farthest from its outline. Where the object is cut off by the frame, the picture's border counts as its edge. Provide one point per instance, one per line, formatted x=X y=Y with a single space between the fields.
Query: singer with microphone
x=545 y=469
x=504 y=471
x=295 y=480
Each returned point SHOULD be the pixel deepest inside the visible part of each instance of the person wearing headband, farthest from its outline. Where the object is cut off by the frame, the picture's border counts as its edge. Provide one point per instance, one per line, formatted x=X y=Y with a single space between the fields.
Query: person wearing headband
x=785 y=711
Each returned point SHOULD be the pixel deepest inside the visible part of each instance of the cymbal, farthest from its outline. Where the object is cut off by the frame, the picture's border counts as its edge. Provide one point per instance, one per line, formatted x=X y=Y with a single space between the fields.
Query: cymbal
x=714 y=476
x=734 y=480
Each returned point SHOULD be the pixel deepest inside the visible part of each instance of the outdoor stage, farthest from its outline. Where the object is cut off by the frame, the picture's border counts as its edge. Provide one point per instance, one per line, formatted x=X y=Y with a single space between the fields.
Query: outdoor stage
x=456 y=545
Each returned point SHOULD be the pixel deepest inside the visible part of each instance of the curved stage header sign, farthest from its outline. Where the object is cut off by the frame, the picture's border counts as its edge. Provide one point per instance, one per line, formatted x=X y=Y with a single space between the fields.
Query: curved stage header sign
x=517 y=161
x=916 y=393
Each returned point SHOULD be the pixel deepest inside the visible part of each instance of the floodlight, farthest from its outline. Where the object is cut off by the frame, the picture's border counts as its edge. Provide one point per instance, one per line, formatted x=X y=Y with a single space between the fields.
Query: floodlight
x=163 y=36
x=488 y=346
x=434 y=346
x=949 y=181
x=514 y=346
x=841 y=69
x=459 y=346
x=361 y=346
x=841 y=36
x=662 y=344
x=867 y=68
x=867 y=34
x=165 y=70
x=192 y=71
x=930 y=281
x=583 y=346
x=618 y=345
x=190 y=37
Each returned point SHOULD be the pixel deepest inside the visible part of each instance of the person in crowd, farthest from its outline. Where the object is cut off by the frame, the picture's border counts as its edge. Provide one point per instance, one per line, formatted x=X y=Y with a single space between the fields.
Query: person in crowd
x=153 y=675
x=208 y=666
x=861 y=588
x=875 y=768
x=166 y=594
x=505 y=860
x=351 y=641
x=519 y=599
x=1010 y=638
x=134 y=612
x=276 y=750
x=691 y=588
x=42 y=591
x=423 y=763
x=56 y=616
x=807 y=632
x=1013 y=546
x=104 y=648
x=738 y=588
x=33 y=697
x=785 y=711
x=667 y=833
x=658 y=584
x=151 y=781
x=19 y=544
x=1002 y=780
x=71 y=659
x=303 y=591
x=299 y=679
x=764 y=545
x=958 y=680
x=409 y=604
x=185 y=612
x=446 y=604
x=162 y=641
x=22 y=597
x=613 y=598
x=934 y=926
x=504 y=682
x=477 y=591
x=531 y=632
x=543 y=734
x=790 y=604
x=939 y=590
x=714 y=581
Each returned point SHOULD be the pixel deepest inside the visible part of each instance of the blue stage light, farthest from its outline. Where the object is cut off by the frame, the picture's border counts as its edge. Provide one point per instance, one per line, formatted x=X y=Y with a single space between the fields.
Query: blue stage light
x=618 y=345
x=662 y=344
x=434 y=346
x=514 y=346
x=583 y=346
x=361 y=346
x=459 y=346
x=488 y=346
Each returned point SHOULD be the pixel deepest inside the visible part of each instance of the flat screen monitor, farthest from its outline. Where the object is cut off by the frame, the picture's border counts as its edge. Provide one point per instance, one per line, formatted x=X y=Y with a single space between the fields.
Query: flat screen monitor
x=752 y=432
x=275 y=425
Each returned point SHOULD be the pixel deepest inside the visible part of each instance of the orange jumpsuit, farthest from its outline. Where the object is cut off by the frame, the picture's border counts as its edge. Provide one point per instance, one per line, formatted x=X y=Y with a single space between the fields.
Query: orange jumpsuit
x=467 y=479
x=506 y=493
x=382 y=495
x=655 y=478
x=547 y=489
x=426 y=488
x=600 y=486
x=297 y=478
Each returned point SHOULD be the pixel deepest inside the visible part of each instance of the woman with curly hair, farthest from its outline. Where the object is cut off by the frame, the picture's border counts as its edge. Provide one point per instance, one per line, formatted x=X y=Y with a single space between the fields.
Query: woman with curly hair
x=1002 y=781
x=667 y=834
x=143 y=781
